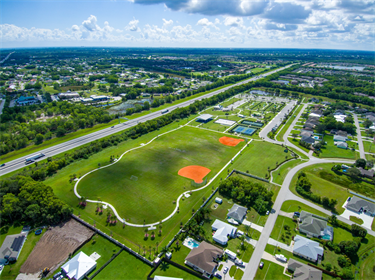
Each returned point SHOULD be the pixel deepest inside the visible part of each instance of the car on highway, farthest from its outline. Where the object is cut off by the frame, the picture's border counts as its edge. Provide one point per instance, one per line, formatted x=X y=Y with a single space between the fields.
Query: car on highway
x=225 y=270
x=112 y=126
x=261 y=265
x=3 y=164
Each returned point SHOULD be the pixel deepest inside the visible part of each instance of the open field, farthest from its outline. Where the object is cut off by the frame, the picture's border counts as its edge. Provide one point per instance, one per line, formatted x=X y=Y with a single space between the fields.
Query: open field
x=260 y=156
x=279 y=175
x=158 y=185
x=284 y=229
x=368 y=146
x=55 y=246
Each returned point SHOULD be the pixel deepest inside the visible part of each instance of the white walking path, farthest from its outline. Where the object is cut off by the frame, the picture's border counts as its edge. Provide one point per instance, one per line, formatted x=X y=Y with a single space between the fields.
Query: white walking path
x=178 y=199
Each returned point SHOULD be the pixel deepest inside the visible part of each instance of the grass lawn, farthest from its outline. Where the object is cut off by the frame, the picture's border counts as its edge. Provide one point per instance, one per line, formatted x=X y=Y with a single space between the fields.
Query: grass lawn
x=151 y=197
x=238 y=275
x=270 y=271
x=280 y=231
x=368 y=146
x=337 y=184
x=11 y=271
x=331 y=151
x=356 y=220
x=367 y=268
x=168 y=270
x=259 y=156
x=279 y=175
x=296 y=206
x=296 y=142
x=288 y=123
x=125 y=267
x=215 y=126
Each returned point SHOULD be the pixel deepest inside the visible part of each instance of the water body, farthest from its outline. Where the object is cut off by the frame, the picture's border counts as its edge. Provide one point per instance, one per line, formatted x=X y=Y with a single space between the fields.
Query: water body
x=128 y=104
x=358 y=68
x=260 y=92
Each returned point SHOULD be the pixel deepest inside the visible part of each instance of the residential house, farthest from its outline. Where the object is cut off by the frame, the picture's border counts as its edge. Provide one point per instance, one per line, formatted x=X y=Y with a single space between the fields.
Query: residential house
x=342 y=145
x=306 y=133
x=303 y=271
x=308 y=125
x=358 y=204
x=79 y=266
x=367 y=173
x=204 y=258
x=68 y=95
x=307 y=249
x=313 y=226
x=342 y=133
x=237 y=213
x=308 y=140
x=338 y=138
x=26 y=100
x=11 y=247
x=223 y=231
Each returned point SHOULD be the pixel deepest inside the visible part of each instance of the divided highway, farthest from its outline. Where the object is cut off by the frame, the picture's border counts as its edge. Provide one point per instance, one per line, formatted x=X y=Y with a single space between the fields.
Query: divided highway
x=71 y=144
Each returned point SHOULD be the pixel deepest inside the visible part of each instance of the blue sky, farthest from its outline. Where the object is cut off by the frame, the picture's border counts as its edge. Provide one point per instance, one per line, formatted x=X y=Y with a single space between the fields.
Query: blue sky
x=336 y=24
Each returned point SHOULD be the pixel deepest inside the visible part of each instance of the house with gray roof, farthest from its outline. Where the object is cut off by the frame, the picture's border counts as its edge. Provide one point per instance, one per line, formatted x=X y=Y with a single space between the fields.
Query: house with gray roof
x=308 y=140
x=358 y=204
x=313 y=226
x=11 y=247
x=306 y=133
x=342 y=145
x=237 y=213
x=307 y=249
x=366 y=173
x=338 y=138
x=302 y=271
x=204 y=258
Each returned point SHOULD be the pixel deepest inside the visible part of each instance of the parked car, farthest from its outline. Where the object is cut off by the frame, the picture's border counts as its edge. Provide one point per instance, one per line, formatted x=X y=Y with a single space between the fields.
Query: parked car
x=281 y=258
x=39 y=231
x=57 y=275
x=239 y=262
x=225 y=270
x=297 y=214
x=217 y=275
x=268 y=212
x=261 y=265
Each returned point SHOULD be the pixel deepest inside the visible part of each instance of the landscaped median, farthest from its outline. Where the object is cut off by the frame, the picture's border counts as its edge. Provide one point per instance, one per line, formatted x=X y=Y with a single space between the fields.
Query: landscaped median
x=294 y=113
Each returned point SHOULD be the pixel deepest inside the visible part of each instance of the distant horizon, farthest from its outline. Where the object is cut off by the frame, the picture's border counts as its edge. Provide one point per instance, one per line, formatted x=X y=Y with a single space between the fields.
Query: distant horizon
x=317 y=24
x=206 y=48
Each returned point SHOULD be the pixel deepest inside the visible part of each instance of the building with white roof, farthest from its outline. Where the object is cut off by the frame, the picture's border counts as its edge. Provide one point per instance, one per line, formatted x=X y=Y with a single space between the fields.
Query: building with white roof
x=223 y=231
x=79 y=266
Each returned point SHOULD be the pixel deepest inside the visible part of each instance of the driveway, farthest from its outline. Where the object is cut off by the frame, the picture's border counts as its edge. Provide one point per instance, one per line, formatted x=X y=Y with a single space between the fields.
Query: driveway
x=252 y=225
x=281 y=245
x=367 y=220
x=268 y=257
x=229 y=263
x=286 y=214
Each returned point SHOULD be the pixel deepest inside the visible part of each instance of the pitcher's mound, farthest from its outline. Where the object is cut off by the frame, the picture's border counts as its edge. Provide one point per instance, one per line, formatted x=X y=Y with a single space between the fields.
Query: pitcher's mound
x=230 y=141
x=194 y=172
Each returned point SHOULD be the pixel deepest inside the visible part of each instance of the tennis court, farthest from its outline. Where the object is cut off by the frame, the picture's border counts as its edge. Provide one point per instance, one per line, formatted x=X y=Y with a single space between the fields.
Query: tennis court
x=244 y=130
x=257 y=124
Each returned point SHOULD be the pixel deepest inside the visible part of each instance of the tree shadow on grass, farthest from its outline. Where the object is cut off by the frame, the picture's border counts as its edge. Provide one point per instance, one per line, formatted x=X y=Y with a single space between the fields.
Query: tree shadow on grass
x=164 y=266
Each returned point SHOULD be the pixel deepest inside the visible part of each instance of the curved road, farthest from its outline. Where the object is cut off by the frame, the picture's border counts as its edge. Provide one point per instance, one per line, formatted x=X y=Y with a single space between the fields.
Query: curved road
x=68 y=145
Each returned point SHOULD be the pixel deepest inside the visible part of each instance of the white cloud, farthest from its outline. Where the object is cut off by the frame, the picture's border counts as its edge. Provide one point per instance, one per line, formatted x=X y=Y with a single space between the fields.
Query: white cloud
x=206 y=22
x=133 y=25
x=90 y=23
x=167 y=22
x=234 y=21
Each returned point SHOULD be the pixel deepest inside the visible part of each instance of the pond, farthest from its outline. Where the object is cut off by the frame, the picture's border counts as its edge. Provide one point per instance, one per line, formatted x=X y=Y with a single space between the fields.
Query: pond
x=121 y=108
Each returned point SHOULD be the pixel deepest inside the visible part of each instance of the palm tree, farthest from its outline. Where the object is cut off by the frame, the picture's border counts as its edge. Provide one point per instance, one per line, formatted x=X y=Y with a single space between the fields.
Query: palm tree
x=164 y=250
x=247 y=229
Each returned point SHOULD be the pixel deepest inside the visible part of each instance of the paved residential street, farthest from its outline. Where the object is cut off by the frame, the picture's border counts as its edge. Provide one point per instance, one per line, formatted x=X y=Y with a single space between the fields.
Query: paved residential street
x=359 y=137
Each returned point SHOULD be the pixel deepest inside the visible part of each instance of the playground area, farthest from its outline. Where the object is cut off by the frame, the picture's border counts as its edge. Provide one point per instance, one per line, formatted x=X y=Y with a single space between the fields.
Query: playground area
x=147 y=192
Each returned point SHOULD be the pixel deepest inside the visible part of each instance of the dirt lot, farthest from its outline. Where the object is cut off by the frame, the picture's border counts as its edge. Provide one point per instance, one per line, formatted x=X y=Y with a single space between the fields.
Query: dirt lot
x=54 y=247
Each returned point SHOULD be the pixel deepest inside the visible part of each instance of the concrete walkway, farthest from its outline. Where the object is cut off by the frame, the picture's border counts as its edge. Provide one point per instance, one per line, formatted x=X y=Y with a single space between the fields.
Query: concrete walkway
x=268 y=257
x=252 y=225
x=276 y=243
x=286 y=214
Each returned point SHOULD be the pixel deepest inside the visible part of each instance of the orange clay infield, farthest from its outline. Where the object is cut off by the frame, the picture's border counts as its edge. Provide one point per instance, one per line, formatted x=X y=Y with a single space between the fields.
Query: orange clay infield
x=230 y=141
x=194 y=172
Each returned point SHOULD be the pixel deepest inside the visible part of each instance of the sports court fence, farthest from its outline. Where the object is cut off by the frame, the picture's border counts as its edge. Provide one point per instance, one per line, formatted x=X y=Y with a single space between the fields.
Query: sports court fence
x=196 y=185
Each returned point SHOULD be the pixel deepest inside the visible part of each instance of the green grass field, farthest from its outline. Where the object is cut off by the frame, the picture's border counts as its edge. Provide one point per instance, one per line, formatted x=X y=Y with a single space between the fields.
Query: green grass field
x=259 y=156
x=158 y=185
x=270 y=271
x=280 y=233
x=331 y=151
x=279 y=175
x=368 y=146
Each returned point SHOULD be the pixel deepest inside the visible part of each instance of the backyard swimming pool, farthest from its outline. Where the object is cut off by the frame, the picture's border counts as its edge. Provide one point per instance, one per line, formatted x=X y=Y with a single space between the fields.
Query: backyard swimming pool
x=190 y=243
